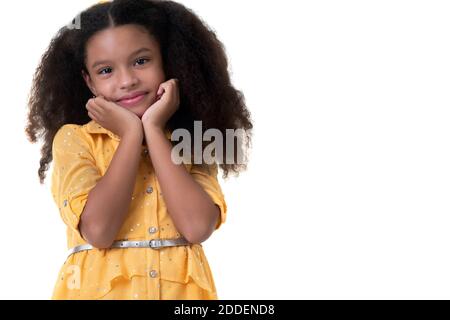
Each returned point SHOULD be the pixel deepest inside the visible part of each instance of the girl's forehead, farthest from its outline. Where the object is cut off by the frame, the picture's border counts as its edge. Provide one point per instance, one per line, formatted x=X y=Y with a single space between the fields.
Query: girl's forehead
x=118 y=41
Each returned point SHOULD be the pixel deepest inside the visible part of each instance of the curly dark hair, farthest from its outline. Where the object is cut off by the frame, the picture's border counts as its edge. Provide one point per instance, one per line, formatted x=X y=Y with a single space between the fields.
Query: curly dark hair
x=190 y=51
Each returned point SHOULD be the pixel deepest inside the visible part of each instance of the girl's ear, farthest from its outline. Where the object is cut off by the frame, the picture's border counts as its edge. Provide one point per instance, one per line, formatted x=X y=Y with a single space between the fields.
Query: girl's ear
x=88 y=81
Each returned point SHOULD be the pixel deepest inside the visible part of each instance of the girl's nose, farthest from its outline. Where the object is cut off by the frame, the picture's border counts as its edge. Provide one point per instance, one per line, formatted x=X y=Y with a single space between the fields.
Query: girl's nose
x=127 y=79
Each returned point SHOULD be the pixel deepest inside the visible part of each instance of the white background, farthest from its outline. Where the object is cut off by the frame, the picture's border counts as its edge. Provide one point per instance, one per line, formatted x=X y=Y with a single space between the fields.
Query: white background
x=347 y=191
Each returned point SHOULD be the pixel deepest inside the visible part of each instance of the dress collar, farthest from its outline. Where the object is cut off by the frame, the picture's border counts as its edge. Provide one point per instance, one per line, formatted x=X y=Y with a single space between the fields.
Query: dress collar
x=94 y=127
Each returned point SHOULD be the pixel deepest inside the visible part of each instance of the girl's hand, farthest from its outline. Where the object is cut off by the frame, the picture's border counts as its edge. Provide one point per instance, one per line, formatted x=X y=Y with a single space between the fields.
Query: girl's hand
x=113 y=117
x=167 y=102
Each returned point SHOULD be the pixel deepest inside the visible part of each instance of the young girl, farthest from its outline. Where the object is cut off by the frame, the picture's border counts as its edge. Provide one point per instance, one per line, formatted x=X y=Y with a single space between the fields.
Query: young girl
x=106 y=97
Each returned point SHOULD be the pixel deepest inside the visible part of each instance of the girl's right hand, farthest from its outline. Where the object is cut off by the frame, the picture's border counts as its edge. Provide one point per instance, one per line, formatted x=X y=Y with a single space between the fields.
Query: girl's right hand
x=113 y=117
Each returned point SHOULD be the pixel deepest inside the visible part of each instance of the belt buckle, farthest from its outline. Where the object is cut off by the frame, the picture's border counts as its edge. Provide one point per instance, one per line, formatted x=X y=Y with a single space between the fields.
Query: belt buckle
x=155 y=243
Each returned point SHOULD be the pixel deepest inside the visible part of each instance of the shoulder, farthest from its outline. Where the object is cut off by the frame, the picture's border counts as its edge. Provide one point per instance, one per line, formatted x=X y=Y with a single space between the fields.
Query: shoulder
x=68 y=134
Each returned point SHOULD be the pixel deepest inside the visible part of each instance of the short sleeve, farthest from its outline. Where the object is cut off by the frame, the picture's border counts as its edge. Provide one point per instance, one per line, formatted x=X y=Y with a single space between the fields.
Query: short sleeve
x=206 y=176
x=74 y=174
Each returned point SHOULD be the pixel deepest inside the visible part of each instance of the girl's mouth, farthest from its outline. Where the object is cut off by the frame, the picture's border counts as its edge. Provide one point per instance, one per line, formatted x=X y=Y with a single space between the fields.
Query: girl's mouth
x=128 y=103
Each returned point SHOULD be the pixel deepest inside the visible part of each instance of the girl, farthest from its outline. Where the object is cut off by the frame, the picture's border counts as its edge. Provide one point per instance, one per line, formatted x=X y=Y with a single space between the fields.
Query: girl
x=106 y=97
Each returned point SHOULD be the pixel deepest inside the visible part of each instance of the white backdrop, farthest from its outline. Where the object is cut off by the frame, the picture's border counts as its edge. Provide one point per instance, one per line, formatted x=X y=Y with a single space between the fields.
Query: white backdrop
x=347 y=190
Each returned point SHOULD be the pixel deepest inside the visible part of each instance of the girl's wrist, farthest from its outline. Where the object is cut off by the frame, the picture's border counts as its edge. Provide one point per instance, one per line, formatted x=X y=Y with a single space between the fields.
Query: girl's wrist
x=134 y=134
x=151 y=127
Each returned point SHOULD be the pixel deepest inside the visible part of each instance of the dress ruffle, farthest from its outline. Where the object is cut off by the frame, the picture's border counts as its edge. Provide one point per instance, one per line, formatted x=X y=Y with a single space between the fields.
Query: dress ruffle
x=90 y=275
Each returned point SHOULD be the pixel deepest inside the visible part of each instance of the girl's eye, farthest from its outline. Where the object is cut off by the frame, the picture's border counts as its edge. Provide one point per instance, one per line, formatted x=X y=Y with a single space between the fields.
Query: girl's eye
x=141 y=60
x=101 y=71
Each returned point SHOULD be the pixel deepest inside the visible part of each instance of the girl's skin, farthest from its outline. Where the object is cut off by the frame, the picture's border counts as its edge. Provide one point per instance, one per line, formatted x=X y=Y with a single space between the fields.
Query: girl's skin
x=125 y=73
x=192 y=210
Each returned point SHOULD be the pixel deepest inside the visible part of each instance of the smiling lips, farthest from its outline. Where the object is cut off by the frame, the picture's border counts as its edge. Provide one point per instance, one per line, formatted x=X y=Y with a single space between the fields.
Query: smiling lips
x=132 y=99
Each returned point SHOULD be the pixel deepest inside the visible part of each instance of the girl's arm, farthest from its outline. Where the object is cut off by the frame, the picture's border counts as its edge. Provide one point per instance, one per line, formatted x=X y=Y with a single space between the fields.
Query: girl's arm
x=108 y=202
x=193 y=212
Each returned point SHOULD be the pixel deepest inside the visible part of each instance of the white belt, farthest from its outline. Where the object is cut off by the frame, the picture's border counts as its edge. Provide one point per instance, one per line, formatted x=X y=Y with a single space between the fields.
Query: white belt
x=154 y=244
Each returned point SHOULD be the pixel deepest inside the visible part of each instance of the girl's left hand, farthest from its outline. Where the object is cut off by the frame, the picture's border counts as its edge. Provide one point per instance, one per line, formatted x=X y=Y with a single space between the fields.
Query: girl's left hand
x=168 y=101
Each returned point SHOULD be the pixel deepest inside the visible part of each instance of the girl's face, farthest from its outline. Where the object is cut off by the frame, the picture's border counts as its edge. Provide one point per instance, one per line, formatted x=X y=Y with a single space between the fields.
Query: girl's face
x=124 y=61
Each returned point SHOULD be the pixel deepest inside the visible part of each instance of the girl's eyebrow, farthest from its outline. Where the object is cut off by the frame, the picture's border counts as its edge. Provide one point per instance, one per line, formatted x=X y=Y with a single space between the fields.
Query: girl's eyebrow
x=133 y=54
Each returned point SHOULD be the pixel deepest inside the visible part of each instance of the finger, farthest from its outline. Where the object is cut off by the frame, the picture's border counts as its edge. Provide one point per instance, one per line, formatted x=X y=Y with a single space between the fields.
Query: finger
x=99 y=101
x=94 y=102
x=161 y=89
x=169 y=83
x=100 y=106
x=93 y=109
x=174 y=85
x=104 y=103
x=101 y=98
x=92 y=116
x=94 y=113
x=105 y=100
x=89 y=105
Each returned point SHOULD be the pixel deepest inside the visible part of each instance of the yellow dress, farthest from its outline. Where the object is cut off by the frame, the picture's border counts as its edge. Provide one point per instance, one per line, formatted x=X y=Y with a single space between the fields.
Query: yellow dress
x=81 y=155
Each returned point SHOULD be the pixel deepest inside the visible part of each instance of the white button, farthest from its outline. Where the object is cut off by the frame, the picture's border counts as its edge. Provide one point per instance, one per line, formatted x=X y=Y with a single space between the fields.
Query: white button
x=153 y=273
x=152 y=230
x=149 y=190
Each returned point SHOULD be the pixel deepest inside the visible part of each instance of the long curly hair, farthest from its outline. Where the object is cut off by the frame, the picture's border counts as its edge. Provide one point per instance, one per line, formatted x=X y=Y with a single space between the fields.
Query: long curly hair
x=190 y=51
